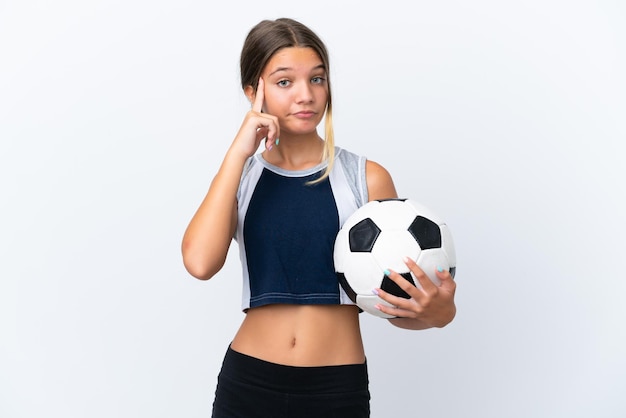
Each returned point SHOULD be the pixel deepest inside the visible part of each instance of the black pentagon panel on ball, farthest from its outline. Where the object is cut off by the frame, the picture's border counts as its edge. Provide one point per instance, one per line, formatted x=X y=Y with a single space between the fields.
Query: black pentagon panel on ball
x=362 y=236
x=426 y=233
x=390 y=286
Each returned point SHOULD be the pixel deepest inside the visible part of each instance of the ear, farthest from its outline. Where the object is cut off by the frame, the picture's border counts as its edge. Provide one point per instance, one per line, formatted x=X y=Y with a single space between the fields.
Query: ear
x=250 y=93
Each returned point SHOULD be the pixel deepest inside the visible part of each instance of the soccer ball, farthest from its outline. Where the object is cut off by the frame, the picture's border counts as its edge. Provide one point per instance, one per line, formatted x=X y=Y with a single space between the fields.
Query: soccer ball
x=377 y=236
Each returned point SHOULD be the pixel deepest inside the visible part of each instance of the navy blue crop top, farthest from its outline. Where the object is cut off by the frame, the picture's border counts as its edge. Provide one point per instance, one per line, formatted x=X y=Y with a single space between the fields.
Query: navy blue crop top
x=286 y=229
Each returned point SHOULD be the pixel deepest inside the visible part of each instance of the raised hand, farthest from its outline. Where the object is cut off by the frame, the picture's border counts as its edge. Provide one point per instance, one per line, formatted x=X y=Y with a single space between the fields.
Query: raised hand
x=256 y=126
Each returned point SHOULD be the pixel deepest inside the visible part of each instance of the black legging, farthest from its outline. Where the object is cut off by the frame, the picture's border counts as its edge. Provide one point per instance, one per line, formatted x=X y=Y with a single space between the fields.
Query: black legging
x=248 y=388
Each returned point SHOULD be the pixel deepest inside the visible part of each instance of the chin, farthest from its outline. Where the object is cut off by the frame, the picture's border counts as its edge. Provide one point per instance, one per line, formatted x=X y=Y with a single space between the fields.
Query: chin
x=300 y=132
x=301 y=127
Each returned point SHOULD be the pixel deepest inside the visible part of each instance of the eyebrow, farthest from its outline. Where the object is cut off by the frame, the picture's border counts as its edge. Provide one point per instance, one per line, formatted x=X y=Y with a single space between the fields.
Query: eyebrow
x=279 y=69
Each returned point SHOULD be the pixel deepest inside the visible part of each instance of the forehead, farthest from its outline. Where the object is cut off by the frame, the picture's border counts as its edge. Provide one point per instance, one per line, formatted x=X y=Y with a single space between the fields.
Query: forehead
x=293 y=59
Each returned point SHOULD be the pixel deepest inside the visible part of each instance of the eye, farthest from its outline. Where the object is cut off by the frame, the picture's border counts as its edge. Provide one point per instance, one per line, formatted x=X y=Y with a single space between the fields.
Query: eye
x=318 y=80
x=283 y=83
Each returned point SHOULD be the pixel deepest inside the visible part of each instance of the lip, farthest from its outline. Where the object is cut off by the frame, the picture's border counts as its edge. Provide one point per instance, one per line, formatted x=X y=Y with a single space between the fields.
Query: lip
x=305 y=114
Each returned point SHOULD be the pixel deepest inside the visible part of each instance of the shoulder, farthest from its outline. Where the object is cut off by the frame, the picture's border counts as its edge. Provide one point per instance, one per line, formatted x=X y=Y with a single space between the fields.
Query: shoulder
x=379 y=182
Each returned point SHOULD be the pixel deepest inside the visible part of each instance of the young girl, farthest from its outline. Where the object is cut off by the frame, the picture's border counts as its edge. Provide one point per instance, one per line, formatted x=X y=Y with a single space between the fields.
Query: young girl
x=298 y=352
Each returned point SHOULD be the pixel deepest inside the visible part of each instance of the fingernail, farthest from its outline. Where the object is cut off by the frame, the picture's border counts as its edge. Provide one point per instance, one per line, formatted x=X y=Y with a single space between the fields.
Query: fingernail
x=270 y=147
x=440 y=269
x=375 y=291
x=277 y=141
x=386 y=272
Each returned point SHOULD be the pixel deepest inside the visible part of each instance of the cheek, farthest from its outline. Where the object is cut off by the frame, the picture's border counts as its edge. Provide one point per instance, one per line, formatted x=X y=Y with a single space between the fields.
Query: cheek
x=321 y=95
x=275 y=101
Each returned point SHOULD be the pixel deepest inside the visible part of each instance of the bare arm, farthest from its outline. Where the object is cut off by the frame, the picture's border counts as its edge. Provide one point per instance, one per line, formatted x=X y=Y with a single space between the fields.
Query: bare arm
x=210 y=231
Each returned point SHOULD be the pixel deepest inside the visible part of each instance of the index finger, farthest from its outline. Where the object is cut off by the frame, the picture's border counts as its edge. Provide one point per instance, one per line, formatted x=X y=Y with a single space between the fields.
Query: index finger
x=257 y=106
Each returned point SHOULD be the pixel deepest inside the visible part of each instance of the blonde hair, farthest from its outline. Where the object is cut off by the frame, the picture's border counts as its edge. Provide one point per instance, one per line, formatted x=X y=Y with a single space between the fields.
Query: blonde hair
x=329 y=144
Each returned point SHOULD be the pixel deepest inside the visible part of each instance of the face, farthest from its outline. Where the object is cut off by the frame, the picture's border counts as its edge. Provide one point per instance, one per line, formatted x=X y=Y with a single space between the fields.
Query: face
x=296 y=89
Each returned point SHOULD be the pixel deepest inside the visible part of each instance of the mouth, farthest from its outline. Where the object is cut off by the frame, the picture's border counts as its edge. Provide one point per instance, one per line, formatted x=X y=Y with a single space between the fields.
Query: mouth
x=305 y=114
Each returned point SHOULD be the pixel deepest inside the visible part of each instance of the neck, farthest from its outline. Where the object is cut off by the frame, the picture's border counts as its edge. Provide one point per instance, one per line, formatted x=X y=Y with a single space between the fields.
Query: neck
x=296 y=153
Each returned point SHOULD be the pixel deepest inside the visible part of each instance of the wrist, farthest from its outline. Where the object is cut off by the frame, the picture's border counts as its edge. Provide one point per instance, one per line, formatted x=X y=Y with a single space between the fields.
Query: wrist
x=236 y=156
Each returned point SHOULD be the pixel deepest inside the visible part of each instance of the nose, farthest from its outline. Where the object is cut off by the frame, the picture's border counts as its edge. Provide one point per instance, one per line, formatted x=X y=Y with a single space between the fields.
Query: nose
x=304 y=93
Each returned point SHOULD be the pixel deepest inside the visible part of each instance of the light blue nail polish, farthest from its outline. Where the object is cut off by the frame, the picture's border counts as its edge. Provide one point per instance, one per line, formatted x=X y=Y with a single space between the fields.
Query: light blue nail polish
x=386 y=272
x=277 y=141
x=440 y=269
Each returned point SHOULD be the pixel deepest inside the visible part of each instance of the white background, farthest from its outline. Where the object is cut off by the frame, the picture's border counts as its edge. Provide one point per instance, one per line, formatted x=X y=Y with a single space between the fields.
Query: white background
x=508 y=118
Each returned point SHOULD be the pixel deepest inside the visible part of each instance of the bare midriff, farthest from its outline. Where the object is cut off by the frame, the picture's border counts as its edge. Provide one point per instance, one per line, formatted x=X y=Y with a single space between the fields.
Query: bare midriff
x=302 y=335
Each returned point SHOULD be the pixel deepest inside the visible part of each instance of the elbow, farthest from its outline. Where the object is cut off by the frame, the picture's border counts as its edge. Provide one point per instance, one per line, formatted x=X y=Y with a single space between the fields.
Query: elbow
x=200 y=266
x=199 y=270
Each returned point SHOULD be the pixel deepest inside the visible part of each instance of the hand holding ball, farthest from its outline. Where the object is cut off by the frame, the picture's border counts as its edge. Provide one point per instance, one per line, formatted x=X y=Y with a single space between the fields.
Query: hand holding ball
x=377 y=236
